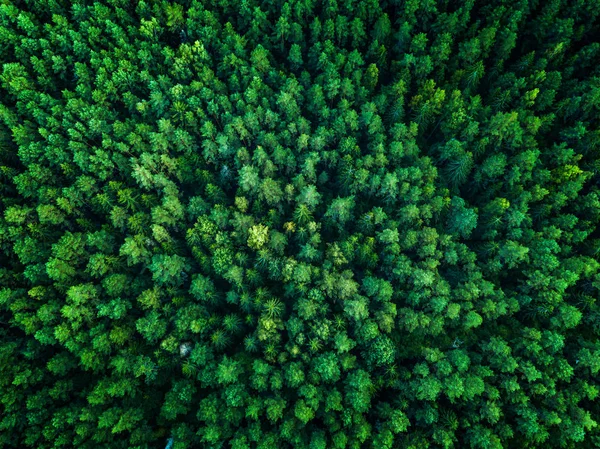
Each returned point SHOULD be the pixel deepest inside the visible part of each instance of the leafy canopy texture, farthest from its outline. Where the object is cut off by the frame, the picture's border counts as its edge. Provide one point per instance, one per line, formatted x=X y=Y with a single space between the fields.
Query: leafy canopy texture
x=299 y=224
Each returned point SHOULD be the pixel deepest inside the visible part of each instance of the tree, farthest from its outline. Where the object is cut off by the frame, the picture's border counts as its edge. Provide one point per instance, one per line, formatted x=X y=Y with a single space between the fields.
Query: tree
x=462 y=220
x=258 y=236
x=168 y=270
x=340 y=210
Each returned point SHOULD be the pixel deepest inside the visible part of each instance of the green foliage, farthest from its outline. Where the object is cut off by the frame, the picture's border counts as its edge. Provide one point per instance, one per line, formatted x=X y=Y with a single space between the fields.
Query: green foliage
x=258 y=236
x=342 y=224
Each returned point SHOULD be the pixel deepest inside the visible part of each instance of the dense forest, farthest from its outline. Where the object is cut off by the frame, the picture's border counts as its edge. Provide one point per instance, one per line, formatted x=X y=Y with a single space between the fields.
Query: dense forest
x=299 y=224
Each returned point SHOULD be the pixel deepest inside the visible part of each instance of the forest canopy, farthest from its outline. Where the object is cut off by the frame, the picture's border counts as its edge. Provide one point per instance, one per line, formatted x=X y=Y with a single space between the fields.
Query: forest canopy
x=299 y=224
